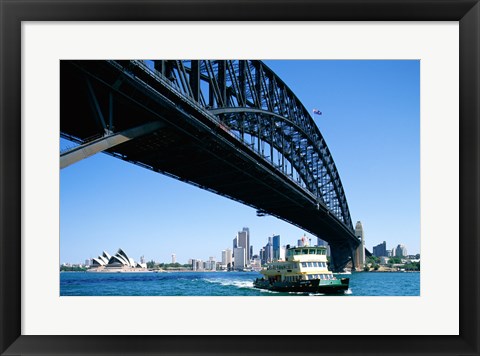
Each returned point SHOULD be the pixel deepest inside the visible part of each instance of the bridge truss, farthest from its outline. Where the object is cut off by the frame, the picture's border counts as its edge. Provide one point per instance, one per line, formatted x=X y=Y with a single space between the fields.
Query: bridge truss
x=241 y=104
x=258 y=108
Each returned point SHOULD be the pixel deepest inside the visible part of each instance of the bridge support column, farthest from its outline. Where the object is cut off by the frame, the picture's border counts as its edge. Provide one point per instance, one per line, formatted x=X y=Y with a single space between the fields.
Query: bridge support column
x=355 y=265
x=340 y=255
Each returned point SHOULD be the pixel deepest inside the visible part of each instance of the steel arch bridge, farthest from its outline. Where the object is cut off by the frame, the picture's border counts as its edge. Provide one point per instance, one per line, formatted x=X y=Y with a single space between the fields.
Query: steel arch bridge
x=229 y=116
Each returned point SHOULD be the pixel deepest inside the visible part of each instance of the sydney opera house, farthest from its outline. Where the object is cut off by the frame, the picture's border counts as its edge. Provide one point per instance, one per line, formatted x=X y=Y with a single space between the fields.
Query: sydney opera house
x=120 y=262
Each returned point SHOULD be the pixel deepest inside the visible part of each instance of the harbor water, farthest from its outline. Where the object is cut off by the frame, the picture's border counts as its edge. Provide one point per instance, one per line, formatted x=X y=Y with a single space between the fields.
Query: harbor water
x=221 y=284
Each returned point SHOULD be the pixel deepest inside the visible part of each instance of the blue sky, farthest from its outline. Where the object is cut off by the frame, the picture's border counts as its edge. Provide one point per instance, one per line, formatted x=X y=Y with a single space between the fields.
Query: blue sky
x=370 y=121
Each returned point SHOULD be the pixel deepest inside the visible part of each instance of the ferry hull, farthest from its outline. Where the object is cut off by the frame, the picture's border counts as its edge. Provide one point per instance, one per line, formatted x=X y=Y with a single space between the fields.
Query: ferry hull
x=310 y=286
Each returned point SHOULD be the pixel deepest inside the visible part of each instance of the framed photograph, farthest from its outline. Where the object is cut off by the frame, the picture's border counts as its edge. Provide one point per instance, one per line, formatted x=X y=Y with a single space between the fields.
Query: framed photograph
x=387 y=89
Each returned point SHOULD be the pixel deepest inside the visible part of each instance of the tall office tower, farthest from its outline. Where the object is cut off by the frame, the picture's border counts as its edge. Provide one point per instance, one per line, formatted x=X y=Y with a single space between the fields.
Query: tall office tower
x=321 y=242
x=243 y=240
x=269 y=251
x=276 y=247
x=392 y=252
x=249 y=255
x=251 y=252
x=360 y=252
x=235 y=244
x=380 y=250
x=240 y=258
x=261 y=253
x=229 y=257
x=224 y=258
x=283 y=250
x=174 y=258
x=194 y=264
x=401 y=251
x=300 y=243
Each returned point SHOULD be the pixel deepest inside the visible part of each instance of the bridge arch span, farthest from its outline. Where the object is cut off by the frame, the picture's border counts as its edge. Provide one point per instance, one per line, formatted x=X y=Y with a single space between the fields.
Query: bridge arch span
x=207 y=108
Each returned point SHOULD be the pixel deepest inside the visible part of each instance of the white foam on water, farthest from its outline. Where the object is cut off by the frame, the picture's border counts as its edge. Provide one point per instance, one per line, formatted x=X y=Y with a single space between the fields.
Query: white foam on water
x=229 y=282
x=348 y=291
x=268 y=291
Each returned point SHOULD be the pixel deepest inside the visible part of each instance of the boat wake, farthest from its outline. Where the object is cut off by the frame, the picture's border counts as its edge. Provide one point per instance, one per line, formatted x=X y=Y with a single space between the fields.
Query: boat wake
x=231 y=283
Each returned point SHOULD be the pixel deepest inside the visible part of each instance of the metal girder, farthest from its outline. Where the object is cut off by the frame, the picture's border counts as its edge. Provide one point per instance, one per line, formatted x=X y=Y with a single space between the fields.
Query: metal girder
x=236 y=89
x=104 y=143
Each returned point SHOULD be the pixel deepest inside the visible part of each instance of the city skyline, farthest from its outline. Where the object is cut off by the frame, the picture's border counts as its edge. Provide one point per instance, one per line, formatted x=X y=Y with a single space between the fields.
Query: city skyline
x=370 y=121
x=388 y=252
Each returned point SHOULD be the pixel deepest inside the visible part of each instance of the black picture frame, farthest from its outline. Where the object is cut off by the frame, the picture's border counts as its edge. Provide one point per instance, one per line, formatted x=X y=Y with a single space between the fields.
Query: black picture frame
x=13 y=12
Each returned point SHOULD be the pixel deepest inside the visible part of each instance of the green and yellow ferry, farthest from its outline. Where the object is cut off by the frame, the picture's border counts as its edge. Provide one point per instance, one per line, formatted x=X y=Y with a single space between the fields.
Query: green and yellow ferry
x=304 y=270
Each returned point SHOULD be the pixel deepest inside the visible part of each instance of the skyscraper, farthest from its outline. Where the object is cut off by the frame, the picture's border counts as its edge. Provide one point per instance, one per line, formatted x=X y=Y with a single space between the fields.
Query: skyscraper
x=227 y=258
x=268 y=251
x=321 y=242
x=380 y=250
x=243 y=240
x=235 y=243
x=276 y=247
x=239 y=258
x=401 y=251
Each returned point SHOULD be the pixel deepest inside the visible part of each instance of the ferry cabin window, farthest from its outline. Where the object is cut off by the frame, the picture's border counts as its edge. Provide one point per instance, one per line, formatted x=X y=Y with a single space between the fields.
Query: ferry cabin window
x=311 y=252
x=310 y=264
x=304 y=264
x=305 y=252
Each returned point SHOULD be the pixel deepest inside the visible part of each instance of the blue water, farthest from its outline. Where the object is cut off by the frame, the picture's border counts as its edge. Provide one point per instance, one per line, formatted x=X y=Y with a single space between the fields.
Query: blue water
x=219 y=284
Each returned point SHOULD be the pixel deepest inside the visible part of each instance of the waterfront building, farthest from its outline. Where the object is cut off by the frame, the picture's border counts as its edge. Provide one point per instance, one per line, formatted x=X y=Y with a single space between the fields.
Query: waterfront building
x=276 y=247
x=261 y=254
x=268 y=251
x=243 y=240
x=380 y=250
x=197 y=265
x=224 y=259
x=118 y=262
x=174 y=258
x=401 y=251
x=360 y=251
x=283 y=249
x=239 y=258
x=101 y=260
x=235 y=244
x=210 y=265
x=256 y=263
x=229 y=258
x=321 y=242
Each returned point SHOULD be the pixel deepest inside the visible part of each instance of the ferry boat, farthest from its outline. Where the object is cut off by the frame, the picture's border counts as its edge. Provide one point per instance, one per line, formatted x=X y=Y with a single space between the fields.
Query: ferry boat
x=304 y=270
